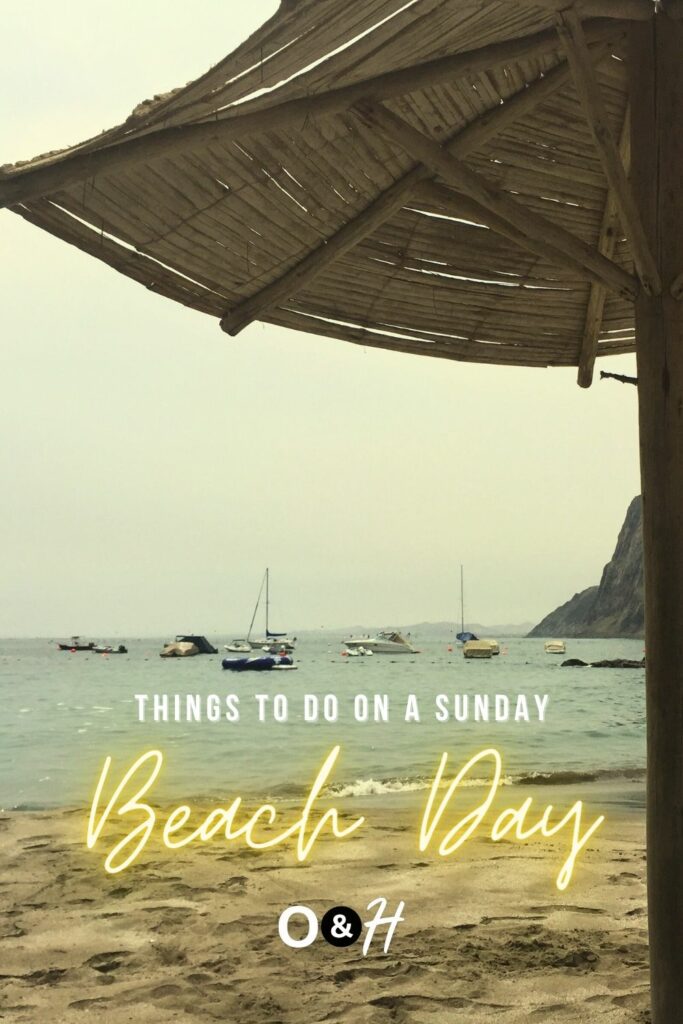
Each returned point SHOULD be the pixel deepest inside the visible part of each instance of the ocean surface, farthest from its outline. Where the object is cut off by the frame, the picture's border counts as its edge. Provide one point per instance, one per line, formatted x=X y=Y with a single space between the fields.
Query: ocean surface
x=62 y=713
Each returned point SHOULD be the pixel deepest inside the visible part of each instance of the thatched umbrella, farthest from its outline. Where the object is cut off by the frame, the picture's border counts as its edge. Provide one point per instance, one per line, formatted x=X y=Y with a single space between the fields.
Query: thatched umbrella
x=487 y=180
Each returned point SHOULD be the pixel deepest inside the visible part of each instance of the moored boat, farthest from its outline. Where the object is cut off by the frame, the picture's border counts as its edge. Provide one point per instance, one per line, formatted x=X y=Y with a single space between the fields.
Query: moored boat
x=555 y=647
x=76 y=644
x=179 y=649
x=356 y=652
x=388 y=641
x=265 y=664
x=200 y=642
x=238 y=647
x=477 y=649
x=273 y=643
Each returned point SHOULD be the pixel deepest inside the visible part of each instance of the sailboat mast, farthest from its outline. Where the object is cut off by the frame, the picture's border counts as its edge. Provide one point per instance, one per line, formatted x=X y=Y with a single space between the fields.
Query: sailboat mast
x=258 y=601
x=462 y=601
x=267 y=601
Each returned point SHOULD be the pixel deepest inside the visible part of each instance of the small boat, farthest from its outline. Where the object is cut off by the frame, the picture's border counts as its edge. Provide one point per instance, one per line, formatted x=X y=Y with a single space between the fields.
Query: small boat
x=179 y=649
x=264 y=664
x=555 y=647
x=238 y=647
x=389 y=641
x=75 y=644
x=286 y=644
x=477 y=649
x=201 y=643
x=106 y=649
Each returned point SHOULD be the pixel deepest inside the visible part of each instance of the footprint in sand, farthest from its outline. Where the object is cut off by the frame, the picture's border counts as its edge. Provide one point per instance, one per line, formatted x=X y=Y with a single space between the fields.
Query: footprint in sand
x=14 y=931
x=163 y=991
x=119 y=893
x=49 y=977
x=567 y=907
x=624 y=878
x=552 y=1011
x=107 y=962
x=415 y=1003
x=88 y=1004
x=631 y=1000
x=236 y=886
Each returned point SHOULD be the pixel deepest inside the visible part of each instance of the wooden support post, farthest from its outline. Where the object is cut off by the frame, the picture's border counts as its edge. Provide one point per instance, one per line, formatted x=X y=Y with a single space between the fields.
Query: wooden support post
x=531 y=225
x=656 y=84
x=607 y=242
x=585 y=80
x=677 y=286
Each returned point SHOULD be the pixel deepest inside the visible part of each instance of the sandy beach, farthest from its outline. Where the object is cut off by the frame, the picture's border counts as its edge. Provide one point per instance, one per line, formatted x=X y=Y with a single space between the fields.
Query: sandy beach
x=192 y=935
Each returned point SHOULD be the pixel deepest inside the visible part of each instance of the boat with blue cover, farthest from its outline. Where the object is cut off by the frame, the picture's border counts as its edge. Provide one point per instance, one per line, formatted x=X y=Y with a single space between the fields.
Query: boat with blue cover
x=267 y=663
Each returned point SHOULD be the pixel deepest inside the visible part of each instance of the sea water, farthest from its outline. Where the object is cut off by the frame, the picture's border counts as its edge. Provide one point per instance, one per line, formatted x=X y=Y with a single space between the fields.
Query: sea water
x=62 y=713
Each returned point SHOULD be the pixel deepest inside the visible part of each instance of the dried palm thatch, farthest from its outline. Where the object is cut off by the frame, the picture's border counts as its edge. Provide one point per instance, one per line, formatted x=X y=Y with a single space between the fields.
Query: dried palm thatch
x=446 y=178
x=305 y=181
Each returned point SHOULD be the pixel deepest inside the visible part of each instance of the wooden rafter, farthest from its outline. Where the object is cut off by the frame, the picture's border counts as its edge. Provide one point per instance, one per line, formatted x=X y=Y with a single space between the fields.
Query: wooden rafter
x=474 y=135
x=585 y=80
x=531 y=225
x=607 y=242
x=457 y=204
x=372 y=217
x=46 y=177
x=631 y=10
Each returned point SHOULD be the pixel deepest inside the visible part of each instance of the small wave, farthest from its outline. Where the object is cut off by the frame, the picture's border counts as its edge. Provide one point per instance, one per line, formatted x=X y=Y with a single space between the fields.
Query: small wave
x=376 y=787
x=565 y=778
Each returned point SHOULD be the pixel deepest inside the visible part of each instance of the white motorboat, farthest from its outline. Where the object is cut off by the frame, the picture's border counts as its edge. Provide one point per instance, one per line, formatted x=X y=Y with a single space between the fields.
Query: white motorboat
x=238 y=647
x=285 y=643
x=389 y=641
x=555 y=647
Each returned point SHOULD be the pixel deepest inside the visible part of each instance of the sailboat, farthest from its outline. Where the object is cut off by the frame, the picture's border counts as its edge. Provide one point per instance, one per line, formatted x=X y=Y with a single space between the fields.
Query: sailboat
x=463 y=637
x=472 y=646
x=273 y=642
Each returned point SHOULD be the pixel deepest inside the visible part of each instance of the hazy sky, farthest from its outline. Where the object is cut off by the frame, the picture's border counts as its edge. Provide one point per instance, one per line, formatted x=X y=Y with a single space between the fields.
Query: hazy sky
x=152 y=466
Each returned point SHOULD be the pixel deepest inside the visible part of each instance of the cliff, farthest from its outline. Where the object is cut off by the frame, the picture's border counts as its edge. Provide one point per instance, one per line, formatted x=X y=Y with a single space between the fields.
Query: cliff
x=614 y=608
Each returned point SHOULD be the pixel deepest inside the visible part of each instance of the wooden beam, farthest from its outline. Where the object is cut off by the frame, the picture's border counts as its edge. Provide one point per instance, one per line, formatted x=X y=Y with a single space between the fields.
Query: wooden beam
x=607 y=242
x=47 y=176
x=571 y=34
x=459 y=205
x=384 y=207
x=629 y=10
x=655 y=71
x=531 y=225
x=474 y=135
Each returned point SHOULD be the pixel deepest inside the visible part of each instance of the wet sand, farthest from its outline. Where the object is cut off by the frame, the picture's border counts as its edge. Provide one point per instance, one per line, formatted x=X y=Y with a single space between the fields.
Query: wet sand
x=192 y=935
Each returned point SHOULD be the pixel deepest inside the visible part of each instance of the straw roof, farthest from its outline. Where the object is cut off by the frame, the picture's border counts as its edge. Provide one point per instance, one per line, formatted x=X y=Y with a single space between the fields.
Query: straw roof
x=437 y=177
